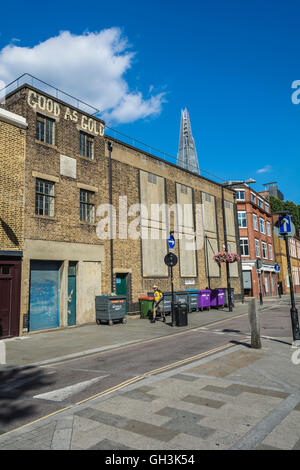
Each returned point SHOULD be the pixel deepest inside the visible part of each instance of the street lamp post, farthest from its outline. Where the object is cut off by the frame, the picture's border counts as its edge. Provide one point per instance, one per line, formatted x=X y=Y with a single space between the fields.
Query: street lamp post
x=294 y=311
x=226 y=249
x=229 y=185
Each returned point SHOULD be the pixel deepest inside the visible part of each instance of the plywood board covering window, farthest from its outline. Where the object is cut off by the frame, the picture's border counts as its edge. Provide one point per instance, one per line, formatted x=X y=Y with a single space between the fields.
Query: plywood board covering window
x=154 y=224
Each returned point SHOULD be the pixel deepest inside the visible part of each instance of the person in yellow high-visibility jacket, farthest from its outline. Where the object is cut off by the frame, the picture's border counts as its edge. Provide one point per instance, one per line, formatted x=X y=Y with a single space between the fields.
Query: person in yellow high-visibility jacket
x=158 y=297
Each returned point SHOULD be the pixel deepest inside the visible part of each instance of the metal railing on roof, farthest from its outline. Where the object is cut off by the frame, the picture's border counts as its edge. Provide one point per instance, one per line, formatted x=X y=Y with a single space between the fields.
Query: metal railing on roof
x=51 y=90
x=28 y=79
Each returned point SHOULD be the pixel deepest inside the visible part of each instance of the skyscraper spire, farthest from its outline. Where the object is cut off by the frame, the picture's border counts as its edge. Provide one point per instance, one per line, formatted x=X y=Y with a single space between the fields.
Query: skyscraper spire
x=187 y=155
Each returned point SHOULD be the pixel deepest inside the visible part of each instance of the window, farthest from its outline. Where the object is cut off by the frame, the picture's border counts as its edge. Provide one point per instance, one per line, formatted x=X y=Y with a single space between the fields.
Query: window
x=298 y=249
x=255 y=222
x=262 y=225
x=296 y=275
x=293 y=248
x=86 y=145
x=240 y=195
x=45 y=129
x=44 y=197
x=244 y=244
x=270 y=251
x=267 y=207
x=269 y=229
x=260 y=203
x=253 y=198
x=242 y=218
x=264 y=250
x=257 y=248
x=86 y=206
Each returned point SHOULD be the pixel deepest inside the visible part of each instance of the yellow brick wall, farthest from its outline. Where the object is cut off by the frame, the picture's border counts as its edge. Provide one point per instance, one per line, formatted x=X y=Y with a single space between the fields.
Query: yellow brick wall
x=12 y=160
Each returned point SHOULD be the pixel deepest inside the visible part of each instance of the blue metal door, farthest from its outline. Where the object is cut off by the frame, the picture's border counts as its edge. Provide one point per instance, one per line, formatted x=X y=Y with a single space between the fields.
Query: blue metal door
x=44 y=295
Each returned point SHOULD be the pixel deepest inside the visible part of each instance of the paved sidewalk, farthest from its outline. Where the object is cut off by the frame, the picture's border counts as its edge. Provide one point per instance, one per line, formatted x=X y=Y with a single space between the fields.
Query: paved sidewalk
x=237 y=398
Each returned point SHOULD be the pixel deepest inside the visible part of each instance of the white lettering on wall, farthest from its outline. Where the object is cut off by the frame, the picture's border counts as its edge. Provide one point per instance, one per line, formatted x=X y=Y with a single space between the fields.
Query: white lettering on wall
x=35 y=101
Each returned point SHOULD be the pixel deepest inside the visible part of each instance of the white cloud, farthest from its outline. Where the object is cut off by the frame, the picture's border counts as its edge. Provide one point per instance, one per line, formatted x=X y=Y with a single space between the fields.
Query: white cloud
x=266 y=169
x=90 y=66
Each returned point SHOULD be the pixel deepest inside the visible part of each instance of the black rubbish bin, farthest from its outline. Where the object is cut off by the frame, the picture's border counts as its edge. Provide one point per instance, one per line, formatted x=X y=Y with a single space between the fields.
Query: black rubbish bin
x=181 y=314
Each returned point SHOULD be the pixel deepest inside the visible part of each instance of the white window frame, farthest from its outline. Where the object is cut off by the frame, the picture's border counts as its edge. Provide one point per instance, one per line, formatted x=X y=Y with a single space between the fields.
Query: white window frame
x=238 y=191
x=264 y=246
x=243 y=245
x=255 y=222
x=267 y=207
x=260 y=203
x=253 y=198
x=243 y=219
x=264 y=228
x=270 y=251
x=268 y=228
x=257 y=246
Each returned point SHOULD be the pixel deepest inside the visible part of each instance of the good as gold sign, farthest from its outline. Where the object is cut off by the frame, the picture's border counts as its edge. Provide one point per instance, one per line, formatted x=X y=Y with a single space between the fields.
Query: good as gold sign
x=42 y=103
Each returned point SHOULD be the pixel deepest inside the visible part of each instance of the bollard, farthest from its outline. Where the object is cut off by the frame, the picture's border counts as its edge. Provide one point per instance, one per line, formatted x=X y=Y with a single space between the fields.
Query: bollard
x=2 y=352
x=254 y=324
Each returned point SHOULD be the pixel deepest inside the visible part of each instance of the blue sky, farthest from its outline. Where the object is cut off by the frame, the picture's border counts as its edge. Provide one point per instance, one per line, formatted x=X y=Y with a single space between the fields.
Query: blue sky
x=232 y=64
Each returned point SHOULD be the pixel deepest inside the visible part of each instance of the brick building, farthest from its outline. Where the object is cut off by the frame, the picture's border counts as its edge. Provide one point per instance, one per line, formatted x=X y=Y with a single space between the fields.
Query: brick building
x=12 y=161
x=281 y=259
x=256 y=241
x=67 y=257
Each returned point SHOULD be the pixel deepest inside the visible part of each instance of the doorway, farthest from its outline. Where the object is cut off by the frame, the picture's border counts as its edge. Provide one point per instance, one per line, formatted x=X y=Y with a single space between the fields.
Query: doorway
x=10 y=285
x=121 y=285
x=72 y=270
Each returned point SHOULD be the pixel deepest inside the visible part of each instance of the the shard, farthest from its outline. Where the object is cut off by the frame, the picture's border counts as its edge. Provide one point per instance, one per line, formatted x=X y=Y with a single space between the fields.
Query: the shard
x=187 y=155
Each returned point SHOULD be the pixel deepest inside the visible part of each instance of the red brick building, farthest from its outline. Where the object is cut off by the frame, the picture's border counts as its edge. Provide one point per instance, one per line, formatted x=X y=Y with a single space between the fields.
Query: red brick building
x=256 y=241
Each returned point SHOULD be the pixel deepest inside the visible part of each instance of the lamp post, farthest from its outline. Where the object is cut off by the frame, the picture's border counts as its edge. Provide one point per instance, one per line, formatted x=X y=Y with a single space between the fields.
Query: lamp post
x=229 y=184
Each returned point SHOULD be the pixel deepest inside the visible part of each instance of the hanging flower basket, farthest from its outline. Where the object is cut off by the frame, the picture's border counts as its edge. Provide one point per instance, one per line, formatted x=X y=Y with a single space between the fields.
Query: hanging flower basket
x=225 y=257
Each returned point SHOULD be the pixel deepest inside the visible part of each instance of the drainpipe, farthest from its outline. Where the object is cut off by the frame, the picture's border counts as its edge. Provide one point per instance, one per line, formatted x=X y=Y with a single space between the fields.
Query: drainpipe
x=110 y=147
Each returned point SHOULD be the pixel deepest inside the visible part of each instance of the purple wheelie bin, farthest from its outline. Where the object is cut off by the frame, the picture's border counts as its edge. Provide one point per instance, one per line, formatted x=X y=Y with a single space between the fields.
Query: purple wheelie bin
x=217 y=298
x=204 y=299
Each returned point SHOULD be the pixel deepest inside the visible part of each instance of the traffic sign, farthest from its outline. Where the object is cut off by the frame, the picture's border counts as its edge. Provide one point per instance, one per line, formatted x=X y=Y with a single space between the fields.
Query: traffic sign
x=285 y=224
x=170 y=259
x=171 y=241
x=280 y=235
x=277 y=268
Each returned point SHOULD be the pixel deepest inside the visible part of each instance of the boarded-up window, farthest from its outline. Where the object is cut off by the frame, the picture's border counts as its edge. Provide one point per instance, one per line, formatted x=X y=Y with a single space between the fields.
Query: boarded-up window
x=209 y=213
x=212 y=268
x=229 y=218
x=154 y=224
x=233 y=267
x=211 y=237
x=186 y=231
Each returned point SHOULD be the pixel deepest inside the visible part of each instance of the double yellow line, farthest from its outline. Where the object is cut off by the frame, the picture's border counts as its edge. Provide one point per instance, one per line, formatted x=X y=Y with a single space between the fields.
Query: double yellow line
x=124 y=384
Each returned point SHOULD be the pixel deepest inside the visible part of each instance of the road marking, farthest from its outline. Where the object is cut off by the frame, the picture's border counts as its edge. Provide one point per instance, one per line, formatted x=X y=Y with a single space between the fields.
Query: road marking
x=189 y=359
x=62 y=394
x=105 y=392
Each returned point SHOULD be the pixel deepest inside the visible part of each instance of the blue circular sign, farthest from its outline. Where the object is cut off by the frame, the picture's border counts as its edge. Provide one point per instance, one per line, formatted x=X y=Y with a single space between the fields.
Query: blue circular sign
x=277 y=267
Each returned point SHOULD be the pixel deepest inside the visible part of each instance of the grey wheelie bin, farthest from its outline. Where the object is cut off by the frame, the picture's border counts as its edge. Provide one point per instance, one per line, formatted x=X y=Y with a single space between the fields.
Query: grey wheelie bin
x=110 y=309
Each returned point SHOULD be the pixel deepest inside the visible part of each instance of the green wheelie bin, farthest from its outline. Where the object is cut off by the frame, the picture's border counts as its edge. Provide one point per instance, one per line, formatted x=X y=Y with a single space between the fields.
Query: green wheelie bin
x=146 y=306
